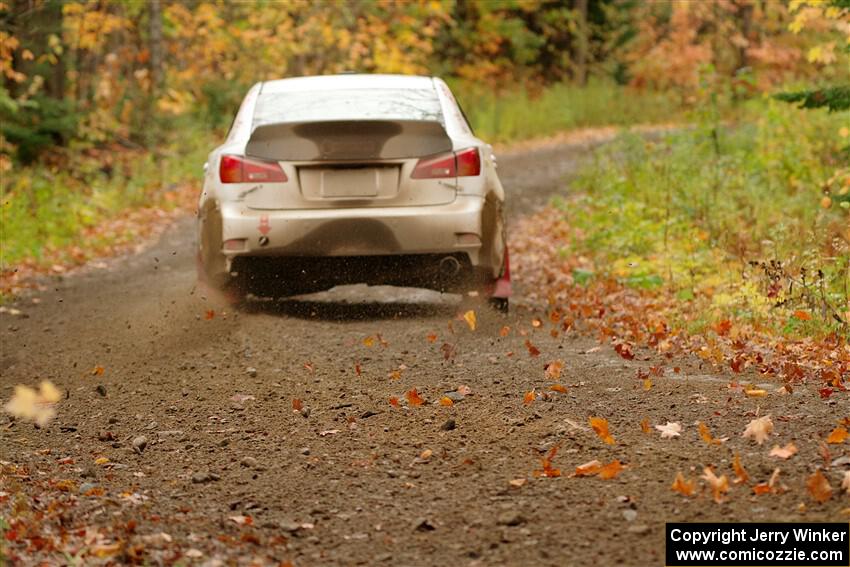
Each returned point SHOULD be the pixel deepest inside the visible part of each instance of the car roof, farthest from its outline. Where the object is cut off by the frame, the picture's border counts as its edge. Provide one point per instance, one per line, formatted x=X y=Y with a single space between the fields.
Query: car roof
x=346 y=82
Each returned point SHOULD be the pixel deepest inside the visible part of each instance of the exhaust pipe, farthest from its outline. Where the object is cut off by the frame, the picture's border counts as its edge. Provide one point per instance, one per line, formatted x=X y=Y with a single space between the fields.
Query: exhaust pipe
x=449 y=266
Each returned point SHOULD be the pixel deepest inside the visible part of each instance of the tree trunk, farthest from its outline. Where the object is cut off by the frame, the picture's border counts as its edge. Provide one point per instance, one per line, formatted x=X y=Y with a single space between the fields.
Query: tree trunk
x=155 y=45
x=582 y=43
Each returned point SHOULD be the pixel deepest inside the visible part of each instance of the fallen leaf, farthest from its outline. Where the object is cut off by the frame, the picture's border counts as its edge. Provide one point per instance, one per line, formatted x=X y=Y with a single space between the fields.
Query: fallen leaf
x=785 y=452
x=536 y=323
x=741 y=475
x=819 y=487
x=106 y=550
x=470 y=319
x=448 y=351
x=393 y=401
x=241 y=520
x=589 y=468
x=446 y=401
x=669 y=430
x=517 y=482
x=647 y=384
x=432 y=337
x=838 y=435
x=600 y=426
x=558 y=388
x=611 y=470
x=756 y=393
x=369 y=342
x=718 y=485
x=38 y=406
x=97 y=371
x=327 y=432
x=101 y=460
x=528 y=398
x=464 y=390
x=297 y=405
x=682 y=486
x=425 y=455
x=759 y=429
x=504 y=331
x=553 y=369
x=413 y=398
x=761 y=488
x=548 y=471
x=706 y=436
x=644 y=426
x=209 y=315
x=802 y=315
x=532 y=350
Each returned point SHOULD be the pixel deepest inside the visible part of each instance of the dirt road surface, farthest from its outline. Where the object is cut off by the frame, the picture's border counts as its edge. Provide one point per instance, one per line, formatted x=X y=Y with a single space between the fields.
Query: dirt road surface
x=229 y=473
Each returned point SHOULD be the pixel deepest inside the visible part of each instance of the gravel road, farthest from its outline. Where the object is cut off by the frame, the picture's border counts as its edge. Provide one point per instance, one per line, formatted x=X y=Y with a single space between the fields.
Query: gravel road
x=229 y=473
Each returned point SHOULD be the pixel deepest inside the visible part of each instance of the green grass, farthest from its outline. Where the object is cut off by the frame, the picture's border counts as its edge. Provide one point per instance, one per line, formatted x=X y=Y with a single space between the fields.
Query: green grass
x=48 y=208
x=518 y=115
x=737 y=217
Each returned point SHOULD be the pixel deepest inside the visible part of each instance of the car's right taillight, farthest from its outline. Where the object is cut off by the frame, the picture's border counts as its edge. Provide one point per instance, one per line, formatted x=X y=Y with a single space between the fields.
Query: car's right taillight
x=239 y=169
x=464 y=163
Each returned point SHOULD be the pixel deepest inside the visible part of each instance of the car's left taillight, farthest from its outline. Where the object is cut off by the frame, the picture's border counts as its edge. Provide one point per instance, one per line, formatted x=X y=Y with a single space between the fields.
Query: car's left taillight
x=239 y=169
x=464 y=163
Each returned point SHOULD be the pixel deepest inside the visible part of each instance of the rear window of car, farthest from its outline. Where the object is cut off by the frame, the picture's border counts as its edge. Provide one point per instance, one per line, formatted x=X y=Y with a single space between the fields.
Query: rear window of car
x=348 y=104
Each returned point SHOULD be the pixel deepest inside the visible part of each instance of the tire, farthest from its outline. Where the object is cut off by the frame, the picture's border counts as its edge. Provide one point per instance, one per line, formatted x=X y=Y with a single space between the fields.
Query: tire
x=500 y=304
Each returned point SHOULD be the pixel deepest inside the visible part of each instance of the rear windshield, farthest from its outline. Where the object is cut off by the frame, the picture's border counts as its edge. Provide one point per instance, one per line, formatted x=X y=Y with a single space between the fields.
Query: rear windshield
x=348 y=104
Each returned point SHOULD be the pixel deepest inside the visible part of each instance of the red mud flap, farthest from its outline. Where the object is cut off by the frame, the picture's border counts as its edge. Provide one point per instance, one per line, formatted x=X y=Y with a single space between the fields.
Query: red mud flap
x=501 y=288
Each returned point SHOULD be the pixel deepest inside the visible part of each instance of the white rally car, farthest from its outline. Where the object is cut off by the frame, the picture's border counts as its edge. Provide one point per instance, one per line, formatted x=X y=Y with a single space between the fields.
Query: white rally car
x=341 y=179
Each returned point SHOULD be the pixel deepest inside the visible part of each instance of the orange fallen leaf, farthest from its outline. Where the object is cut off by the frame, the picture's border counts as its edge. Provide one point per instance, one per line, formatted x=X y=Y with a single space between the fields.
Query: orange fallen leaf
x=358 y=369
x=446 y=401
x=297 y=405
x=393 y=401
x=611 y=470
x=528 y=398
x=682 y=486
x=741 y=475
x=600 y=426
x=756 y=393
x=210 y=314
x=558 y=388
x=553 y=369
x=838 y=435
x=644 y=426
x=759 y=429
x=470 y=319
x=819 y=487
x=432 y=337
x=425 y=455
x=719 y=485
x=548 y=471
x=785 y=452
x=369 y=342
x=589 y=468
x=97 y=371
x=241 y=520
x=706 y=435
x=394 y=375
x=413 y=397
x=802 y=315
x=532 y=350
x=504 y=331
x=761 y=488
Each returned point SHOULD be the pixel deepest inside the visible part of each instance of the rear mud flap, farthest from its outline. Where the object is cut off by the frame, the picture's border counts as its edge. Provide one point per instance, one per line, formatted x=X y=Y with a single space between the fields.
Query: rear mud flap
x=501 y=287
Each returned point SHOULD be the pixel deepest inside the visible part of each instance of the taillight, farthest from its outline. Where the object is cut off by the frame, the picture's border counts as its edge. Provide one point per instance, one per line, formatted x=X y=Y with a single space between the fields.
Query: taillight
x=468 y=163
x=238 y=169
x=464 y=163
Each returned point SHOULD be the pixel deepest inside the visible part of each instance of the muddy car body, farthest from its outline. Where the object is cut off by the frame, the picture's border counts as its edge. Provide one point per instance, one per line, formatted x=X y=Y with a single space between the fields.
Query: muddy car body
x=340 y=179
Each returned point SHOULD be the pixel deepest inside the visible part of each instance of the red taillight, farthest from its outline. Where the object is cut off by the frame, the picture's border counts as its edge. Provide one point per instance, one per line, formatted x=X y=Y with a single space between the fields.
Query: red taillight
x=238 y=169
x=461 y=164
x=468 y=163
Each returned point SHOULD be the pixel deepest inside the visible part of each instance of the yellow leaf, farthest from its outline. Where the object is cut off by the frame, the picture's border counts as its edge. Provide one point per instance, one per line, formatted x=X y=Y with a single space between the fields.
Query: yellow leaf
x=101 y=460
x=470 y=319
x=600 y=426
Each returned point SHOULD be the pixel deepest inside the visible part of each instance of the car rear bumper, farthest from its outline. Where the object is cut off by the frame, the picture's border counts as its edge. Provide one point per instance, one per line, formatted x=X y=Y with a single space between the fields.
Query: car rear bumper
x=441 y=229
